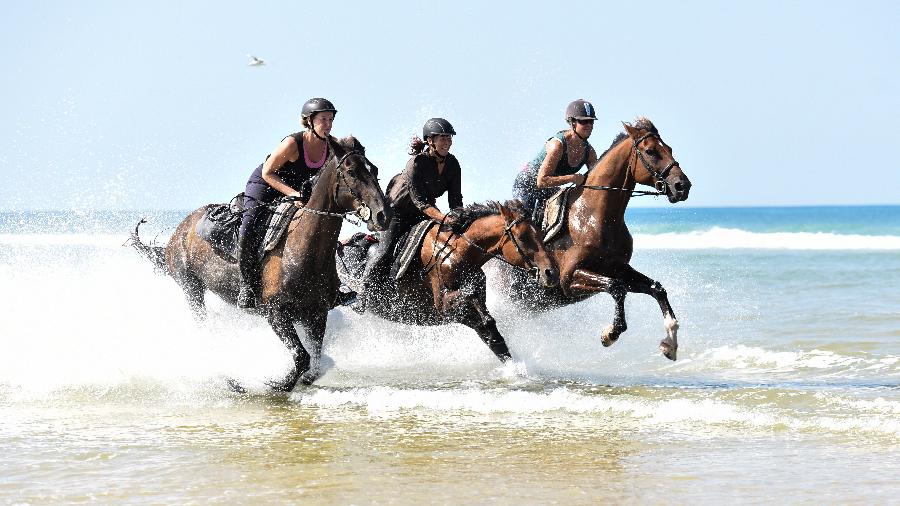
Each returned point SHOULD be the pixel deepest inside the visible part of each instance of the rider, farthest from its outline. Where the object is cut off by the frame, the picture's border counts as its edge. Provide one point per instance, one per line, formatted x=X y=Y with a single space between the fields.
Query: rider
x=554 y=166
x=294 y=162
x=431 y=172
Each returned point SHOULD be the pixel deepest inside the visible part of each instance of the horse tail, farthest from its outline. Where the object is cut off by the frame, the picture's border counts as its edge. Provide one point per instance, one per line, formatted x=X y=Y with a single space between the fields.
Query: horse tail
x=156 y=254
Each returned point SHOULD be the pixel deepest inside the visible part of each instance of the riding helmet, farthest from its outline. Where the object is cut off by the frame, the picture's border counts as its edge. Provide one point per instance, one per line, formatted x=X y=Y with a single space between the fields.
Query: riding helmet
x=316 y=105
x=437 y=126
x=580 y=109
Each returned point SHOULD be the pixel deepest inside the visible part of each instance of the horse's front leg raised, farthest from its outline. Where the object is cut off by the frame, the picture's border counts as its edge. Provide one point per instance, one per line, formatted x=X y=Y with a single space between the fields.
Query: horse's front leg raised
x=283 y=325
x=591 y=282
x=636 y=282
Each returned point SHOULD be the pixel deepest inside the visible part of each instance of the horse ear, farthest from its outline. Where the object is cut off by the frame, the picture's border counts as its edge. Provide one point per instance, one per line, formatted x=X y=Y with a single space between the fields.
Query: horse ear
x=632 y=132
x=504 y=212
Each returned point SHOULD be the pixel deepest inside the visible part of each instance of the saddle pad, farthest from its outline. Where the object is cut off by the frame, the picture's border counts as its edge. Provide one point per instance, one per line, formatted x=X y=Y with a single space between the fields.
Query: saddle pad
x=278 y=225
x=555 y=214
x=409 y=250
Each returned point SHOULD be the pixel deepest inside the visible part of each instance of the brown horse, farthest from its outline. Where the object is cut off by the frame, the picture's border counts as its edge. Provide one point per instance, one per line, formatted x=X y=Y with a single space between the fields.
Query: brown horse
x=299 y=278
x=594 y=250
x=447 y=284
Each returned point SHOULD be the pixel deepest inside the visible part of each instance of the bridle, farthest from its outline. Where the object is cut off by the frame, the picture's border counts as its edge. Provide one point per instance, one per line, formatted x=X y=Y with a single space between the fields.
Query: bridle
x=660 y=184
x=507 y=236
x=361 y=211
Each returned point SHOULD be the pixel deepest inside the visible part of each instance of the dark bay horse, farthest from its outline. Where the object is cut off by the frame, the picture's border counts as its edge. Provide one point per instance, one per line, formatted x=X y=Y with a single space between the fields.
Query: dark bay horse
x=445 y=284
x=594 y=250
x=299 y=277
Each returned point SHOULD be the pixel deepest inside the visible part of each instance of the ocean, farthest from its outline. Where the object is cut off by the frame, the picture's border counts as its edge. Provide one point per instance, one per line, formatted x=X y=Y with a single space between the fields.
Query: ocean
x=786 y=390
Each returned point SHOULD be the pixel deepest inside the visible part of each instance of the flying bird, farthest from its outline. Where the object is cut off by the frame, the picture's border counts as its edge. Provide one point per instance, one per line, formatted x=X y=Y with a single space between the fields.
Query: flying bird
x=254 y=61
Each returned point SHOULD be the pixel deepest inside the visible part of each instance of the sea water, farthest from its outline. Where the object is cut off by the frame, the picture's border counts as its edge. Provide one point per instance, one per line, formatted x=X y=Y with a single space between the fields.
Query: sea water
x=786 y=387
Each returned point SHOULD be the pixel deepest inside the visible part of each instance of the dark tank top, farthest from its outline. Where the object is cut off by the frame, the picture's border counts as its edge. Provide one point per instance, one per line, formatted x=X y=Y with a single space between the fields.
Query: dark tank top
x=292 y=173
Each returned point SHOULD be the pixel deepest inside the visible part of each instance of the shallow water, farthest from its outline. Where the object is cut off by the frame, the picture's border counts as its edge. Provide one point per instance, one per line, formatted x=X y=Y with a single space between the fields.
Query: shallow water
x=787 y=386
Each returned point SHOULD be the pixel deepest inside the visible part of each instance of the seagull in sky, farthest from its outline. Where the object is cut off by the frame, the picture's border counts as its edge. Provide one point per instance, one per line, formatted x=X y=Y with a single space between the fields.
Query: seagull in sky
x=254 y=61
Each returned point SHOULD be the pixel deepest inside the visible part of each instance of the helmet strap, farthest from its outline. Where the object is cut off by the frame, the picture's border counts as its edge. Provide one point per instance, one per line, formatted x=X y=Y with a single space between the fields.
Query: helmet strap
x=312 y=126
x=575 y=130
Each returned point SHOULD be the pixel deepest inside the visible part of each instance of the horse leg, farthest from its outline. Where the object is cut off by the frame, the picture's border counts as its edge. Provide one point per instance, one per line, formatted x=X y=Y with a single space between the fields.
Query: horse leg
x=587 y=281
x=469 y=307
x=195 y=293
x=315 y=332
x=636 y=282
x=283 y=325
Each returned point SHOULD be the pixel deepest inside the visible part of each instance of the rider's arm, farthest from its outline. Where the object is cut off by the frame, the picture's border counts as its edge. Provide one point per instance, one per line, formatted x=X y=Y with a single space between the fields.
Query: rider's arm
x=287 y=151
x=592 y=158
x=454 y=189
x=545 y=179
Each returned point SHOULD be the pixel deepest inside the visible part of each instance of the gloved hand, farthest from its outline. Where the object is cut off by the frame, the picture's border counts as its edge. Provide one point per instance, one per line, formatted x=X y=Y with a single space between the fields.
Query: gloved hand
x=452 y=221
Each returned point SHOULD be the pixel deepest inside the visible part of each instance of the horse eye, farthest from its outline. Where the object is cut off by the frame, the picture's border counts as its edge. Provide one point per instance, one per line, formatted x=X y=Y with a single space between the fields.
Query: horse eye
x=652 y=152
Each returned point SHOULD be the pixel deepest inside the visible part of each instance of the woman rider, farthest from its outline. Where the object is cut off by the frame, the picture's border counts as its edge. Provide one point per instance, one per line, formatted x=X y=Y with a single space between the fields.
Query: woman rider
x=431 y=172
x=296 y=160
x=559 y=161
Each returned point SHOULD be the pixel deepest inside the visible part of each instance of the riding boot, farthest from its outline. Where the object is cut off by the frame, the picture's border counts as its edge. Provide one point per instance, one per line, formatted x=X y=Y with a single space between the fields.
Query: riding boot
x=249 y=269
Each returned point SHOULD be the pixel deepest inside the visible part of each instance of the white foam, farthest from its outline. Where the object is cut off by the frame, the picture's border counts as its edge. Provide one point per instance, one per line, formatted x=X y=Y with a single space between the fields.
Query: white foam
x=722 y=238
x=79 y=239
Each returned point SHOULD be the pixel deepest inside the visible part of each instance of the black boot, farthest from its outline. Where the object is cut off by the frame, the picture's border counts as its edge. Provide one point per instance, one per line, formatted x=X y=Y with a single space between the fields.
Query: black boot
x=249 y=269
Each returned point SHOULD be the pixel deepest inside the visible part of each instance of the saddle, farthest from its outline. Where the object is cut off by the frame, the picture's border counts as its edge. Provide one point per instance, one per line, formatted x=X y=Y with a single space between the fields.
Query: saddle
x=554 y=216
x=221 y=224
x=408 y=247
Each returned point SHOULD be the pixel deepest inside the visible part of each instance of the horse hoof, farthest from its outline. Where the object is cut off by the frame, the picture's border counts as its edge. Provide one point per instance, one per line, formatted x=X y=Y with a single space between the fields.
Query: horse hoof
x=308 y=379
x=607 y=338
x=668 y=351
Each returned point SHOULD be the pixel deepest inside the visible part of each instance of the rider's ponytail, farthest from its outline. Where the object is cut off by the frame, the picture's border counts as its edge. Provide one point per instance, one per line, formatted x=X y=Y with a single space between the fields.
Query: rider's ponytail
x=416 y=145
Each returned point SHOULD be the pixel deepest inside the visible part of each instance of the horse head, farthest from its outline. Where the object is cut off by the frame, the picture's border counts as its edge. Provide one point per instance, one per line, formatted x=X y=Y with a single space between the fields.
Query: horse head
x=522 y=247
x=654 y=156
x=356 y=185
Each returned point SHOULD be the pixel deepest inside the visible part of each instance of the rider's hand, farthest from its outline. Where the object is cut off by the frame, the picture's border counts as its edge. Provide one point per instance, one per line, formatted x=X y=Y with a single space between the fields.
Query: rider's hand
x=578 y=179
x=451 y=221
x=299 y=199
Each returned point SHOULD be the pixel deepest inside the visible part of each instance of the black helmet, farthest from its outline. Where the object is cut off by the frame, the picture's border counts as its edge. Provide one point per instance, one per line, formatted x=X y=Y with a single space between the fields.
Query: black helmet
x=316 y=105
x=437 y=126
x=580 y=109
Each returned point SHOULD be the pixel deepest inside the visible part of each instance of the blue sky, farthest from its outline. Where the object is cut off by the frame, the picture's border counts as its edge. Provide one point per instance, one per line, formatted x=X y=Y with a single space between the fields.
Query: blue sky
x=151 y=105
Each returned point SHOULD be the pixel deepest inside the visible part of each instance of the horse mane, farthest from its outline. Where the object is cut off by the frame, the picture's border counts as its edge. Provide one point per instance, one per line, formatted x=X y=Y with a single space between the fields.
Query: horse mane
x=472 y=212
x=341 y=145
x=641 y=123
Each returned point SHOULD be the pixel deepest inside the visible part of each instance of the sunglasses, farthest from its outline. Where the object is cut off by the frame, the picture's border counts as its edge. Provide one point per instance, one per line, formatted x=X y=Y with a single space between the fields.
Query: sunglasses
x=584 y=121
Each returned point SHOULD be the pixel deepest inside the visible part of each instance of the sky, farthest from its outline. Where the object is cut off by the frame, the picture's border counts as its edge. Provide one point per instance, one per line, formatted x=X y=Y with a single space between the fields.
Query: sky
x=151 y=105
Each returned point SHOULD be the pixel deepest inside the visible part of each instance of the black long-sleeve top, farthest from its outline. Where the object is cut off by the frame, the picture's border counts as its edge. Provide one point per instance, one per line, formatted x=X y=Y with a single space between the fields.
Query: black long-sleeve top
x=419 y=185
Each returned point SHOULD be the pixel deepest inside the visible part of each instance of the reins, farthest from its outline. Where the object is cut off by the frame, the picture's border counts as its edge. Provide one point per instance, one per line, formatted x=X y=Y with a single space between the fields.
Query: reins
x=363 y=212
x=660 y=177
x=507 y=235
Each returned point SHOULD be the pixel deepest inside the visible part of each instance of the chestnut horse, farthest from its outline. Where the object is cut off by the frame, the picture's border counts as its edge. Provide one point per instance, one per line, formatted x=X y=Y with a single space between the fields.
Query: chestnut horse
x=446 y=284
x=594 y=250
x=299 y=277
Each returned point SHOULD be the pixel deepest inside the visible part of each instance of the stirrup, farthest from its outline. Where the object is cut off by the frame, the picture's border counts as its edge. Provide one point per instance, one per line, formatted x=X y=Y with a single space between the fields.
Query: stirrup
x=346 y=298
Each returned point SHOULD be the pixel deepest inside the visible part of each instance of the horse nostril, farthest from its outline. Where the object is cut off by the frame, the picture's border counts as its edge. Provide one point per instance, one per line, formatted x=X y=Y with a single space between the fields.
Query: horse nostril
x=679 y=186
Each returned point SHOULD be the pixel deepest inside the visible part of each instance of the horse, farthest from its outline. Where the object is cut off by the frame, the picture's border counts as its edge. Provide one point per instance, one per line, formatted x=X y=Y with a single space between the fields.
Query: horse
x=445 y=283
x=594 y=249
x=299 y=278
